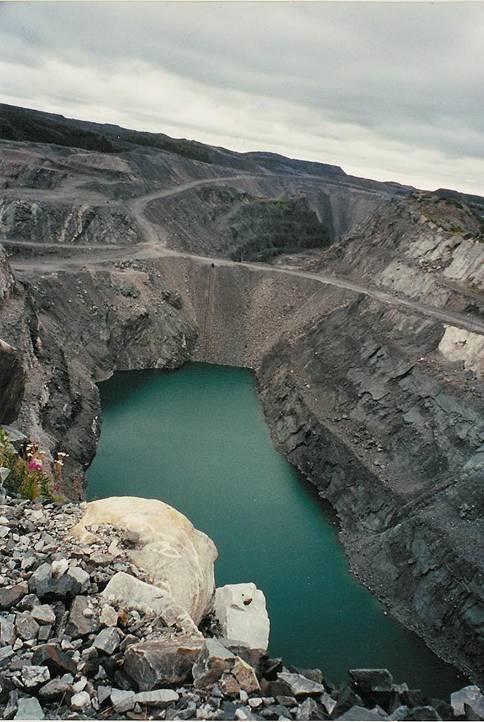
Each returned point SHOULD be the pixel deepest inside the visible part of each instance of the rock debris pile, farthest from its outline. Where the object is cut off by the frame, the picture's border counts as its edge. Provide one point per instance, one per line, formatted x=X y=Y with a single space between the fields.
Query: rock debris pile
x=68 y=651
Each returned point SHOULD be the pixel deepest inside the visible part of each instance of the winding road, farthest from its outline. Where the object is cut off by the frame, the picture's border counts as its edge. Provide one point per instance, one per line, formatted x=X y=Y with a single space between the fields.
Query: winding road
x=155 y=247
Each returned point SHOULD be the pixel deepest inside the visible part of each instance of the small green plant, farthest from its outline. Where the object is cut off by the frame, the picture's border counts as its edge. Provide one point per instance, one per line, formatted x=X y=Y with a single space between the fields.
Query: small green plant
x=31 y=475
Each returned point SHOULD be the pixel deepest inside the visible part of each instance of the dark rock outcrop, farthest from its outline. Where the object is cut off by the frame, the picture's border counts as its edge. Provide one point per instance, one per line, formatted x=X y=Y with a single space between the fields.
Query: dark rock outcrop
x=74 y=329
x=360 y=402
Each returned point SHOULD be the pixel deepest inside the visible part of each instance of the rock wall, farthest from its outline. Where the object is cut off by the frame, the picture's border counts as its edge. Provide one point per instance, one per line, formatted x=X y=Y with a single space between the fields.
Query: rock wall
x=363 y=403
x=73 y=329
x=242 y=310
x=423 y=247
x=12 y=377
x=45 y=221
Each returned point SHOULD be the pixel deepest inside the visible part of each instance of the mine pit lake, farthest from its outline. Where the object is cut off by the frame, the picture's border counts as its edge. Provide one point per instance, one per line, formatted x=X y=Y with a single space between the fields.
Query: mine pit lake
x=196 y=438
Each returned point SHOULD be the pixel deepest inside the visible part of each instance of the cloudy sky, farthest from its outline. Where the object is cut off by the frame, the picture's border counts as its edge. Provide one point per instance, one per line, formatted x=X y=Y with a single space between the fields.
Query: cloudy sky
x=388 y=91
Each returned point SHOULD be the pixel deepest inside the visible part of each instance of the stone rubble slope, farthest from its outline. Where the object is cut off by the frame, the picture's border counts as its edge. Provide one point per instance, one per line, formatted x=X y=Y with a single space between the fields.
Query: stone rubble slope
x=68 y=651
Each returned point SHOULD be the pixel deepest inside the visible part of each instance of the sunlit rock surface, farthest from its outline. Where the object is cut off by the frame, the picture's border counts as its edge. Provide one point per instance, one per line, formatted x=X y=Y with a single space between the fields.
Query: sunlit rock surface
x=177 y=557
x=241 y=611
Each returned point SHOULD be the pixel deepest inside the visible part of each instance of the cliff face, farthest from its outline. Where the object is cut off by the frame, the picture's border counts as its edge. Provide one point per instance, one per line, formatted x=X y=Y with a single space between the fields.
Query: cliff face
x=423 y=247
x=73 y=329
x=363 y=403
x=12 y=378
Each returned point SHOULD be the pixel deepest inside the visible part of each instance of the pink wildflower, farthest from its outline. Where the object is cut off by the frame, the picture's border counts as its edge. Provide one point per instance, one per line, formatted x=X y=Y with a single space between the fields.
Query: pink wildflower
x=35 y=465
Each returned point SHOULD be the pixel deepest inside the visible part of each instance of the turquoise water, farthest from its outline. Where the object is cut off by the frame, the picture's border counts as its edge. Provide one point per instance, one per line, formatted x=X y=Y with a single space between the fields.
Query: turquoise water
x=196 y=438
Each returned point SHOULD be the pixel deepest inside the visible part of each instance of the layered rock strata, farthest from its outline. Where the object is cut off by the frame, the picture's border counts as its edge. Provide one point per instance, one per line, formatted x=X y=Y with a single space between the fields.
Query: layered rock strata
x=365 y=405
x=70 y=331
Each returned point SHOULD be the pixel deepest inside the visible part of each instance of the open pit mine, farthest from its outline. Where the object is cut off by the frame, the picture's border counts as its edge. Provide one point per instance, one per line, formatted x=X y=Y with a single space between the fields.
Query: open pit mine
x=358 y=307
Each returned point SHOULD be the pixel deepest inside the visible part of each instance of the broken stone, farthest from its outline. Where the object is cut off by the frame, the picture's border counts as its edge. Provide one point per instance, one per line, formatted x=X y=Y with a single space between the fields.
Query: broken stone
x=245 y=676
x=79 y=624
x=103 y=693
x=11 y=596
x=373 y=680
x=108 y=640
x=59 y=567
x=80 y=701
x=44 y=633
x=34 y=676
x=26 y=626
x=212 y=662
x=310 y=710
x=132 y=593
x=360 y=714
x=5 y=654
x=7 y=629
x=55 y=689
x=242 y=614
x=160 y=663
x=29 y=708
x=44 y=614
x=109 y=616
x=422 y=714
x=298 y=685
x=242 y=713
x=46 y=585
x=466 y=695
x=52 y=656
x=122 y=700
x=157 y=697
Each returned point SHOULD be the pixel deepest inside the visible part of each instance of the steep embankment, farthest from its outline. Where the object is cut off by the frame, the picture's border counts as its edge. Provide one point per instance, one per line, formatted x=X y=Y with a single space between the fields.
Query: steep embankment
x=364 y=404
x=424 y=247
x=74 y=329
x=11 y=372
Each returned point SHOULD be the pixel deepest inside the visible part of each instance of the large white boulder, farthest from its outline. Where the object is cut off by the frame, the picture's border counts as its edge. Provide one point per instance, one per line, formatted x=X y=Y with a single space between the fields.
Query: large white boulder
x=241 y=611
x=177 y=558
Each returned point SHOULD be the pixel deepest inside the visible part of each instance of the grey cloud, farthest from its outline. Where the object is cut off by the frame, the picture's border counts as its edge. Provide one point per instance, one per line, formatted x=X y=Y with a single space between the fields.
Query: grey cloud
x=400 y=73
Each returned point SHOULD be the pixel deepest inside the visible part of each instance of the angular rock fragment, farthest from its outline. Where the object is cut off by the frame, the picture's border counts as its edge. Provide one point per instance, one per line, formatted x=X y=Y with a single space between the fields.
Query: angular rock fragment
x=244 y=676
x=29 y=708
x=108 y=640
x=160 y=663
x=79 y=624
x=310 y=710
x=26 y=627
x=80 y=701
x=241 y=611
x=373 y=680
x=361 y=714
x=467 y=695
x=122 y=700
x=11 y=596
x=34 y=676
x=213 y=661
x=157 y=697
x=109 y=616
x=55 y=689
x=7 y=629
x=43 y=613
x=47 y=584
x=298 y=685
x=52 y=656
x=131 y=593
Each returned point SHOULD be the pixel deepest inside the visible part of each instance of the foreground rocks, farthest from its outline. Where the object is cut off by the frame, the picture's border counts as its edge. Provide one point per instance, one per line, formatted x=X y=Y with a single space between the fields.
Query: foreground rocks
x=70 y=650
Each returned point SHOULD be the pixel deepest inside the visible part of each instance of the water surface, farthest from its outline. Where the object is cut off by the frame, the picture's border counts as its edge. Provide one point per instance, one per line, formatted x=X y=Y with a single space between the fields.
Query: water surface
x=196 y=438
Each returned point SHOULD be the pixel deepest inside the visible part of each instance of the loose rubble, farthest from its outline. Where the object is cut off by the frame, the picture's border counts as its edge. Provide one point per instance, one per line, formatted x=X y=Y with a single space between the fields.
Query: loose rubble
x=69 y=652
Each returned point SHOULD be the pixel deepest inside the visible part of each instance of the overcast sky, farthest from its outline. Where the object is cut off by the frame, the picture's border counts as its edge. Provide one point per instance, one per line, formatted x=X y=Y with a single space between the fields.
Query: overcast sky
x=387 y=91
